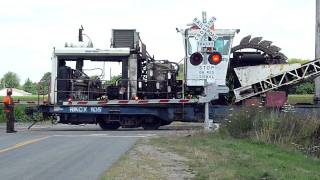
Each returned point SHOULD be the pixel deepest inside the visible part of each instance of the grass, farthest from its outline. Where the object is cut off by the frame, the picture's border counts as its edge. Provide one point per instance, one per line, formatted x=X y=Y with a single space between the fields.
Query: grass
x=272 y=127
x=300 y=98
x=216 y=157
x=254 y=143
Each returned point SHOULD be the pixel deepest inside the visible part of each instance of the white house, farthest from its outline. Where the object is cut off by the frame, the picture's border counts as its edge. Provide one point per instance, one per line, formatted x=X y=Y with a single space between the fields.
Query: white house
x=15 y=92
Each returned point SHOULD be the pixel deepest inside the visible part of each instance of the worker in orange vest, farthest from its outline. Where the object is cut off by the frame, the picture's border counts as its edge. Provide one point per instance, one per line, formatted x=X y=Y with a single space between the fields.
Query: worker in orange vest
x=9 y=111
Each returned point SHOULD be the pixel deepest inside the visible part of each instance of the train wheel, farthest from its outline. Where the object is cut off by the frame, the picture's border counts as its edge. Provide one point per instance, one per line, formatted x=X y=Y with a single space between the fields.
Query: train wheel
x=151 y=123
x=109 y=126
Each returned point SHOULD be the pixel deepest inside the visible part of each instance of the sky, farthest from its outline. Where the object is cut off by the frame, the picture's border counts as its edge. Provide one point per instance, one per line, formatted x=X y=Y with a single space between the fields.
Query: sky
x=30 y=29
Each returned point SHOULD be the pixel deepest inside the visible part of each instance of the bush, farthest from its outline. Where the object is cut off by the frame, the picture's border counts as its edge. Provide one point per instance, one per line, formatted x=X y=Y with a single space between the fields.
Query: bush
x=19 y=114
x=273 y=127
x=240 y=124
x=306 y=87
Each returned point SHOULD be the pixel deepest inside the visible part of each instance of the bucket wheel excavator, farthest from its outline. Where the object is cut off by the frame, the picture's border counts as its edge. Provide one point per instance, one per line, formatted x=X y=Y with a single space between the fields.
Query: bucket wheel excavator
x=252 y=51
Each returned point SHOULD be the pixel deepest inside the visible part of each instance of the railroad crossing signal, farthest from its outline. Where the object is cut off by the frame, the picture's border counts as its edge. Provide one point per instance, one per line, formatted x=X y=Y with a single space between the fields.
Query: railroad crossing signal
x=205 y=28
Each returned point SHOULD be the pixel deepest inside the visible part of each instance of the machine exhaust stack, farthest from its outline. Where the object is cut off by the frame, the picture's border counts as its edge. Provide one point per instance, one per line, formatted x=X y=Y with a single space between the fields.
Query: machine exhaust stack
x=80 y=34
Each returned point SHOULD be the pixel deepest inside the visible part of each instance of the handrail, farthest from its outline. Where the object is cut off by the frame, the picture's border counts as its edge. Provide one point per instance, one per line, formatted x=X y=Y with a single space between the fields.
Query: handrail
x=89 y=92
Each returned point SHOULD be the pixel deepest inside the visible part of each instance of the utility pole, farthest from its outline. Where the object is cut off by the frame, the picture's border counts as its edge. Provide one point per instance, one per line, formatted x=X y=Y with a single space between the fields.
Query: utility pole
x=104 y=71
x=110 y=75
x=317 y=51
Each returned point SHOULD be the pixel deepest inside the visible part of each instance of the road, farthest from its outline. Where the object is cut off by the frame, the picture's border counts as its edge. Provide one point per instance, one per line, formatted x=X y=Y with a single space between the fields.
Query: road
x=62 y=152
x=65 y=152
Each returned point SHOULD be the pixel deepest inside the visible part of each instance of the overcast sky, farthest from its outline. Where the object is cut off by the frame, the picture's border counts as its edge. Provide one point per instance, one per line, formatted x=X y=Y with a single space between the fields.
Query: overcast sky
x=29 y=29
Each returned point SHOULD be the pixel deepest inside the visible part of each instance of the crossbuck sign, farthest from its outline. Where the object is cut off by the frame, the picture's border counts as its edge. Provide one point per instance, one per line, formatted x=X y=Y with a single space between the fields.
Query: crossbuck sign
x=205 y=29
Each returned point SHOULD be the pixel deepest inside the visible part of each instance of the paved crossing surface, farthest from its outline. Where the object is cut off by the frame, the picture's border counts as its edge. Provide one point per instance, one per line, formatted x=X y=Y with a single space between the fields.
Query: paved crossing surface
x=62 y=152
x=66 y=152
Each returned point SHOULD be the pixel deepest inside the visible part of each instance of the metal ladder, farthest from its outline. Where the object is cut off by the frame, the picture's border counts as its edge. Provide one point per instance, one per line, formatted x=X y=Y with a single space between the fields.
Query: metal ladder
x=305 y=71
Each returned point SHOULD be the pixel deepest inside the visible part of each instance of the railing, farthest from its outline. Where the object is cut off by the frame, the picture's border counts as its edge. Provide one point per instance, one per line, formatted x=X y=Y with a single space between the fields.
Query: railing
x=92 y=89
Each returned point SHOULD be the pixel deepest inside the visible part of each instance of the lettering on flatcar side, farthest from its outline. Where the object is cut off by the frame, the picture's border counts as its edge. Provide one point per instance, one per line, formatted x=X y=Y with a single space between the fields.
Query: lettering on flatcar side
x=96 y=109
x=85 y=109
x=78 y=109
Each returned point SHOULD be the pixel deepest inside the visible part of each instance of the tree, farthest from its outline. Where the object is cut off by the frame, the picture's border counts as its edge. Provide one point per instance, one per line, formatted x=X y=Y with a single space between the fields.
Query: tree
x=113 y=80
x=10 y=80
x=30 y=86
x=94 y=77
x=307 y=86
x=180 y=73
x=296 y=60
x=2 y=85
x=44 y=84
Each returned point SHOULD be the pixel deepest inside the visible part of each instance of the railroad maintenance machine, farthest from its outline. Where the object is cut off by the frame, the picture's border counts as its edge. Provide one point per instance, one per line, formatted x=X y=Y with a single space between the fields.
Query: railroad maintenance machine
x=148 y=93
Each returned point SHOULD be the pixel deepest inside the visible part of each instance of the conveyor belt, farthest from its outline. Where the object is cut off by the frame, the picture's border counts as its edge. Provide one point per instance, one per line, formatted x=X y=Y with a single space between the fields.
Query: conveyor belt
x=306 y=71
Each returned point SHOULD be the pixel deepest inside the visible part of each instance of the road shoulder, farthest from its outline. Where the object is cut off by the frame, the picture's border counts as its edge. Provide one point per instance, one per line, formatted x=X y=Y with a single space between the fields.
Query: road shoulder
x=201 y=155
x=148 y=161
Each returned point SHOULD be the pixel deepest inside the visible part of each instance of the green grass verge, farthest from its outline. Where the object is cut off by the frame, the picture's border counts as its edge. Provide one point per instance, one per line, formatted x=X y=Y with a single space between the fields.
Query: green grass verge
x=300 y=98
x=215 y=157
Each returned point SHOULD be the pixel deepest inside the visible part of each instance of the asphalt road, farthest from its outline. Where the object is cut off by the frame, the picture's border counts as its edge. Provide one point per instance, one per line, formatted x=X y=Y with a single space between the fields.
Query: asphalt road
x=68 y=152
x=62 y=151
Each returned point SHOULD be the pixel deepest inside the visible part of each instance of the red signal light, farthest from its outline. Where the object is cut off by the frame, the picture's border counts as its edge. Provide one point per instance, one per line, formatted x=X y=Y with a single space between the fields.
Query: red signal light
x=196 y=59
x=215 y=58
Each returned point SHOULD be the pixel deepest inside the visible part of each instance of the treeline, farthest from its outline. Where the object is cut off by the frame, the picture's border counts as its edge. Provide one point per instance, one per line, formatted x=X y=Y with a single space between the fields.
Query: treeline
x=12 y=80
